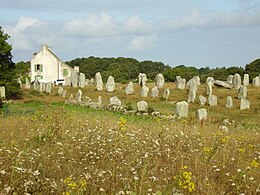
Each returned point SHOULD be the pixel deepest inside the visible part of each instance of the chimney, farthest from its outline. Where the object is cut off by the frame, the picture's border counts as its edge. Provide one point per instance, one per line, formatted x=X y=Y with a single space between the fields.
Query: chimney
x=45 y=47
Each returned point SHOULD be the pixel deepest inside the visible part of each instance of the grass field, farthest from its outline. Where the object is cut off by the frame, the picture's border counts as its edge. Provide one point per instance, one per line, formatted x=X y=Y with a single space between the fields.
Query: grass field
x=47 y=147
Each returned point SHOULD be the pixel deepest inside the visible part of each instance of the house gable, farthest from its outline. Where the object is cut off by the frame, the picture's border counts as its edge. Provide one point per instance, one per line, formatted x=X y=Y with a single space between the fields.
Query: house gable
x=47 y=66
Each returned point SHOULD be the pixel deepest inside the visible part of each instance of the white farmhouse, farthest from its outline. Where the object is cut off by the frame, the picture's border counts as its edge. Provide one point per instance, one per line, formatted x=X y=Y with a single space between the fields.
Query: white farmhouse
x=46 y=66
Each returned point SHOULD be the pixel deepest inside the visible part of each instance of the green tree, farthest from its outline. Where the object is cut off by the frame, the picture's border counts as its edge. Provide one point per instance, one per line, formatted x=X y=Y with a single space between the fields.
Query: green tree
x=181 y=70
x=22 y=69
x=7 y=68
x=253 y=68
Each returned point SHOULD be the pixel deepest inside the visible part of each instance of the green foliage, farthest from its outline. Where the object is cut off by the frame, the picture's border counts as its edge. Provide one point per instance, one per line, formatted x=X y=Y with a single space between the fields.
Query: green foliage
x=221 y=73
x=22 y=69
x=35 y=93
x=253 y=69
x=122 y=69
x=181 y=70
x=7 y=68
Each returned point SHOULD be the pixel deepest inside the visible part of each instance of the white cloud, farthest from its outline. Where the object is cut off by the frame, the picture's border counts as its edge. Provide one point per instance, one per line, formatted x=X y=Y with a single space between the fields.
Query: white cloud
x=20 y=39
x=136 y=25
x=142 y=42
x=196 y=19
x=92 y=26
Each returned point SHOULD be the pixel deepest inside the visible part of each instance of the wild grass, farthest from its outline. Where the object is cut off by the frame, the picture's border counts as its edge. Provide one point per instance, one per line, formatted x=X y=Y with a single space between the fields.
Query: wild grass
x=47 y=147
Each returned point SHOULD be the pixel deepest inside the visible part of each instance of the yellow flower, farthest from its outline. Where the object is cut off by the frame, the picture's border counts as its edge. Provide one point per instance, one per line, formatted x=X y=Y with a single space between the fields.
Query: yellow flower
x=184 y=179
x=83 y=183
x=122 y=123
x=254 y=163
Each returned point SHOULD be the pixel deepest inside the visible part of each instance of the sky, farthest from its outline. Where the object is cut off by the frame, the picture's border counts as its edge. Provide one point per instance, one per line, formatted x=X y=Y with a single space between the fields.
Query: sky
x=200 y=33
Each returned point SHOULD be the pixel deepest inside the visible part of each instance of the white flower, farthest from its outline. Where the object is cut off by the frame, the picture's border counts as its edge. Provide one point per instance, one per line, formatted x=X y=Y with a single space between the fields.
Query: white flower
x=136 y=178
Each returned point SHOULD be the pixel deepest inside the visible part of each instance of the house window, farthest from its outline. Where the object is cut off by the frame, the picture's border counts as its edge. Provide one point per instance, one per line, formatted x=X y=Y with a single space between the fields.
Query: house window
x=65 y=72
x=39 y=77
x=38 y=67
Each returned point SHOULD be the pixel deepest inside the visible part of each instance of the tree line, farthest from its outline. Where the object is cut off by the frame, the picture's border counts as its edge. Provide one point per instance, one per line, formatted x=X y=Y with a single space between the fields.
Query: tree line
x=126 y=69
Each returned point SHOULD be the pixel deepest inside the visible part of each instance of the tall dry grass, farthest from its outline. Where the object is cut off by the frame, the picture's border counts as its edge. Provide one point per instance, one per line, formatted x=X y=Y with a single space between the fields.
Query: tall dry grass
x=52 y=148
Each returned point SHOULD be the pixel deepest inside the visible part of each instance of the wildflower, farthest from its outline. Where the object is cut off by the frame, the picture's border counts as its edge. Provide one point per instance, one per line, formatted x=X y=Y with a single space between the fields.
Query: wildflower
x=254 y=163
x=70 y=183
x=225 y=139
x=136 y=178
x=122 y=124
x=184 y=179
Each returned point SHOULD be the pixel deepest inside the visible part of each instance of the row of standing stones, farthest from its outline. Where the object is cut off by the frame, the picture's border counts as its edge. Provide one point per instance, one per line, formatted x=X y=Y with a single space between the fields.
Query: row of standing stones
x=181 y=110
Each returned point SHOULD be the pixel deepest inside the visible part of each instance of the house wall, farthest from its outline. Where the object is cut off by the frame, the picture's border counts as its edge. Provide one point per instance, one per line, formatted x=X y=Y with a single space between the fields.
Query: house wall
x=52 y=67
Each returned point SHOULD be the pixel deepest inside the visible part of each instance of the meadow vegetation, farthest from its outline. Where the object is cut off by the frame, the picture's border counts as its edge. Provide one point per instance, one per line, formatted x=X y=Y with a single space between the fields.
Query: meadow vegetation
x=47 y=147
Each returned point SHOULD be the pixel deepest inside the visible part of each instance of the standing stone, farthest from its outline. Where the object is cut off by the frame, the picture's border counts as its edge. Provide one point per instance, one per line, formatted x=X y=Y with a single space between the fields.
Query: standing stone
x=82 y=80
x=154 y=92
x=67 y=81
x=210 y=79
x=166 y=93
x=99 y=102
x=142 y=79
x=256 y=81
x=42 y=87
x=209 y=88
x=71 y=97
x=182 y=109
x=242 y=92
x=209 y=85
x=110 y=85
x=2 y=92
x=142 y=106
x=130 y=88
x=87 y=82
x=60 y=91
x=20 y=82
x=91 y=81
x=27 y=83
x=36 y=85
x=202 y=100
x=99 y=82
x=180 y=83
x=230 y=79
x=191 y=84
x=159 y=81
x=237 y=81
x=229 y=103
x=213 y=100
x=74 y=78
x=115 y=101
x=79 y=95
x=197 y=80
x=192 y=96
x=202 y=114
x=246 y=80
x=144 y=91
x=64 y=93
x=244 y=104
x=48 y=87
